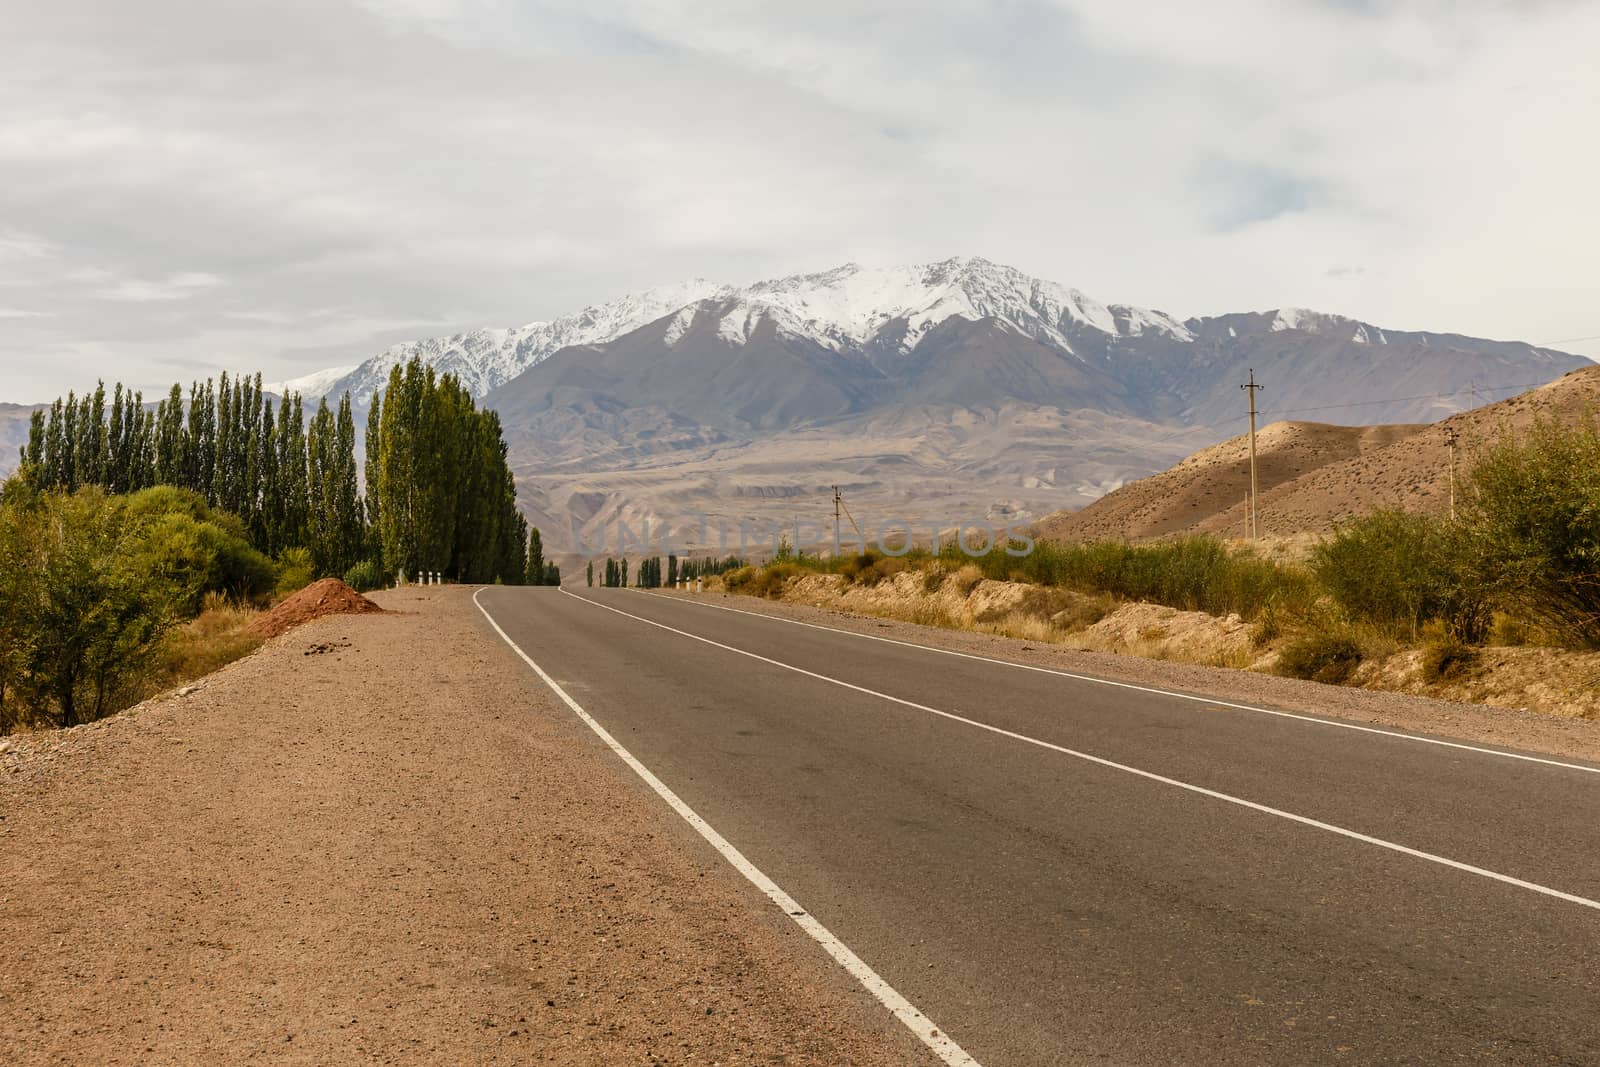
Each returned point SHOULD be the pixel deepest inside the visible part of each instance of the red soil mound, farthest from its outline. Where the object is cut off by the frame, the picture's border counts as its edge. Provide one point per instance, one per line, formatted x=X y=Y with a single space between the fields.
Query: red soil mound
x=327 y=597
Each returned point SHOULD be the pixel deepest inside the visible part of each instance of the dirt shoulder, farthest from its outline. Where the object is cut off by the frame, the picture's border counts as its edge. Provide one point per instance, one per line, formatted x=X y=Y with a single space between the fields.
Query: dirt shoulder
x=380 y=839
x=1475 y=723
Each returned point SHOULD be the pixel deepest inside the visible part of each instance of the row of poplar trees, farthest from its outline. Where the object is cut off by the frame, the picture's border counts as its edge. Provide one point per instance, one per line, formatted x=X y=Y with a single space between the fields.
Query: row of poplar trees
x=649 y=574
x=439 y=493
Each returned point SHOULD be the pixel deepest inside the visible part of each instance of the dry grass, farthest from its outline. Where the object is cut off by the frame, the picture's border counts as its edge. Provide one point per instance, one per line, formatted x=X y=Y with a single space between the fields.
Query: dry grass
x=207 y=643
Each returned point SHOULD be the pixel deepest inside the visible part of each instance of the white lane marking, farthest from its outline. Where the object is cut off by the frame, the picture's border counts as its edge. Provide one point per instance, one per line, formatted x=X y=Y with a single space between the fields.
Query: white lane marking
x=1303 y=820
x=1147 y=689
x=934 y=1038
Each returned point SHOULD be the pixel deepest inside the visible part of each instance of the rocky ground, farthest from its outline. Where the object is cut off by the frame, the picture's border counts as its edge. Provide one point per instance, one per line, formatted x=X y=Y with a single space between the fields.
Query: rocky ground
x=379 y=839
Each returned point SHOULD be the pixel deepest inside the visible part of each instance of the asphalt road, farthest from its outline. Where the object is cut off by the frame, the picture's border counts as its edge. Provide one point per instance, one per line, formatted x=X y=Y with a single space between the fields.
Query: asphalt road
x=1057 y=871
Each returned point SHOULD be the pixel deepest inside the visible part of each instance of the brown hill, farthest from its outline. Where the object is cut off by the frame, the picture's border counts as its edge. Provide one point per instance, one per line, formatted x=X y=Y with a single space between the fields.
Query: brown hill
x=1312 y=475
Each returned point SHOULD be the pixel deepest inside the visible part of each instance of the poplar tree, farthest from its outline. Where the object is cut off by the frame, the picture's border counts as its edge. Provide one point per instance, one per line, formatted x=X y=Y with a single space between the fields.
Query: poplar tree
x=535 y=557
x=216 y=492
x=321 y=476
x=116 y=478
x=372 y=502
x=345 y=492
x=293 y=523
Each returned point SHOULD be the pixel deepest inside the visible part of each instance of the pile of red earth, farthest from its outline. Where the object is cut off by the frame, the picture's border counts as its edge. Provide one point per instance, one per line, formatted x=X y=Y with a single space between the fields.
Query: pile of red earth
x=327 y=597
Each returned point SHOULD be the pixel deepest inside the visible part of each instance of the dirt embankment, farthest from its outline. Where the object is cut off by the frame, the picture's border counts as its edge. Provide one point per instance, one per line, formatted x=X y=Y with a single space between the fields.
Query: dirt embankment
x=1545 y=680
x=380 y=839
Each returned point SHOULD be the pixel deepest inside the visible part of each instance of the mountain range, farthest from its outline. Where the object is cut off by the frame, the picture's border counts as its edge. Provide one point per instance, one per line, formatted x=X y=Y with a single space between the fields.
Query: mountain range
x=931 y=393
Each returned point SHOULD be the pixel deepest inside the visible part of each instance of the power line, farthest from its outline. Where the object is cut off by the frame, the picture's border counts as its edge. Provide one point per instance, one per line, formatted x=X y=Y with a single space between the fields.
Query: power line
x=1187 y=430
x=1402 y=399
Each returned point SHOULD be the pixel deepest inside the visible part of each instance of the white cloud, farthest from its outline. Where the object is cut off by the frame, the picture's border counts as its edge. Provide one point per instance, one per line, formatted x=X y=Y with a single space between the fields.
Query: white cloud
x=287 y=185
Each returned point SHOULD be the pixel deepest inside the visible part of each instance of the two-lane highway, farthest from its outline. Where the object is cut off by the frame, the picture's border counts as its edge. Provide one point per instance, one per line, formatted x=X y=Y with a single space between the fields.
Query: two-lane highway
x=1059 y=870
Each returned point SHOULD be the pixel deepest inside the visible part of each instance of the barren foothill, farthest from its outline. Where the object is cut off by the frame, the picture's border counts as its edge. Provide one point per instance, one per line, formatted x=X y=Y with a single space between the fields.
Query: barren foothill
x=1314 y=476
x=381 y=839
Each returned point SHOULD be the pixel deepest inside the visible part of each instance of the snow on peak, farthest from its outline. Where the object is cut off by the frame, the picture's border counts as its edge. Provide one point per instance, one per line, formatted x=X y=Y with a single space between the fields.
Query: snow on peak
x=850 y=305
x=846 y=307
x=487 y=358
x=1305 y=319
x=313 y=385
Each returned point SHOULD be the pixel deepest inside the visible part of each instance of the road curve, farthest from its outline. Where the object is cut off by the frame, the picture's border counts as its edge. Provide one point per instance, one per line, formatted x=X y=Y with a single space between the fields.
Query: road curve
x=1059 y=871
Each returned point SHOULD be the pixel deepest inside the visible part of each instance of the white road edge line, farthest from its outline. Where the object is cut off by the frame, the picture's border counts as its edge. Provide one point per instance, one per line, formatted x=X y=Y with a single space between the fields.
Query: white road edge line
x=1147 y=689
x=914 y=1020
x=1303 y=820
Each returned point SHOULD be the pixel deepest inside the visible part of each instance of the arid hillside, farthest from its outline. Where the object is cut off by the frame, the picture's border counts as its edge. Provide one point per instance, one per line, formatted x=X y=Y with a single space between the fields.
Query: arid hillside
x=1313 y=475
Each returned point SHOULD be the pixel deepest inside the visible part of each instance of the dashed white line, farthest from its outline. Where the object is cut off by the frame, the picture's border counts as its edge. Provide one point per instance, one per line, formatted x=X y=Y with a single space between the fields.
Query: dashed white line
x=1149 y=689
x=1303 y=820
x=937 y=1041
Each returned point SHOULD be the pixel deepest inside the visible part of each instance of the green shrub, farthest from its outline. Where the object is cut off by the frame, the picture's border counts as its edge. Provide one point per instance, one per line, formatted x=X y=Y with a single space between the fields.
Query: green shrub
x=200 y=550
x=1532 y=510
x=769 y=581
x=1192 y=573
x=1397 y=572
x=1329 y=658
x=366 y=576
x=296 y=570
x=735 y=580
x=1446 y=660
x=85 y=611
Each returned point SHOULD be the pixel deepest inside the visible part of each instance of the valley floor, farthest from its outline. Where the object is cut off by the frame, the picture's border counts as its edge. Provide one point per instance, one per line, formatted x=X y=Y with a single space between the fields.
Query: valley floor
x=381 y=839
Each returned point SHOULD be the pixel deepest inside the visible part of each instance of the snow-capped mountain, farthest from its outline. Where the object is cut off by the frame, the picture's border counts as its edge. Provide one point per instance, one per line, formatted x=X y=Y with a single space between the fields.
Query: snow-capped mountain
x=690 y=364
x=850 y=307
x=485 y=359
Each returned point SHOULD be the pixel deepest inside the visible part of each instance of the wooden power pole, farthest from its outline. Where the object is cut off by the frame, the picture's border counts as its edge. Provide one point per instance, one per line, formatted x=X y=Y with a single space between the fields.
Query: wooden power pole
x=1450 y=438
x=838 y=503
x=1250 y=388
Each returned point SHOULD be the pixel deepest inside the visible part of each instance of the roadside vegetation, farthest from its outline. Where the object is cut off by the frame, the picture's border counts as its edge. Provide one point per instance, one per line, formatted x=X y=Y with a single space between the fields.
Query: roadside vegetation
x=1519 y=565
x=137 y=543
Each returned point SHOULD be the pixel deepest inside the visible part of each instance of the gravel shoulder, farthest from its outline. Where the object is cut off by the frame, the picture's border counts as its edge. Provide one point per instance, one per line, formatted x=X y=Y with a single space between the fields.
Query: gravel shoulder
x=1475 y=723
x=380 y=839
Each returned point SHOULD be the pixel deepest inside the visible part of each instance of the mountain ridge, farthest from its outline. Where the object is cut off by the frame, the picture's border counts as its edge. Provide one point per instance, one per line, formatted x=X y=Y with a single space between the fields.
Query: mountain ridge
x=887 y=309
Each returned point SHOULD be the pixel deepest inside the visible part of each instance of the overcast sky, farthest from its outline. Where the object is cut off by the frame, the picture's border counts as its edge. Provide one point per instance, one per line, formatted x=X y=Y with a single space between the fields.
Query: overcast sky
x=192 y=185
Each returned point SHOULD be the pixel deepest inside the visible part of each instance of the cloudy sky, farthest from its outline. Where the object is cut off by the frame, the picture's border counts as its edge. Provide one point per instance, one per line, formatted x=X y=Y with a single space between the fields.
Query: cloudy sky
x=191 y=185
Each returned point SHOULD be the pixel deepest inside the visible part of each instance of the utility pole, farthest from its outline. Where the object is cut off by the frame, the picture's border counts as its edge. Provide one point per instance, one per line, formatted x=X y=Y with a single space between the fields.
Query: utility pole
x=1450 y=438
x=1250 y=388
x=838 y=503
